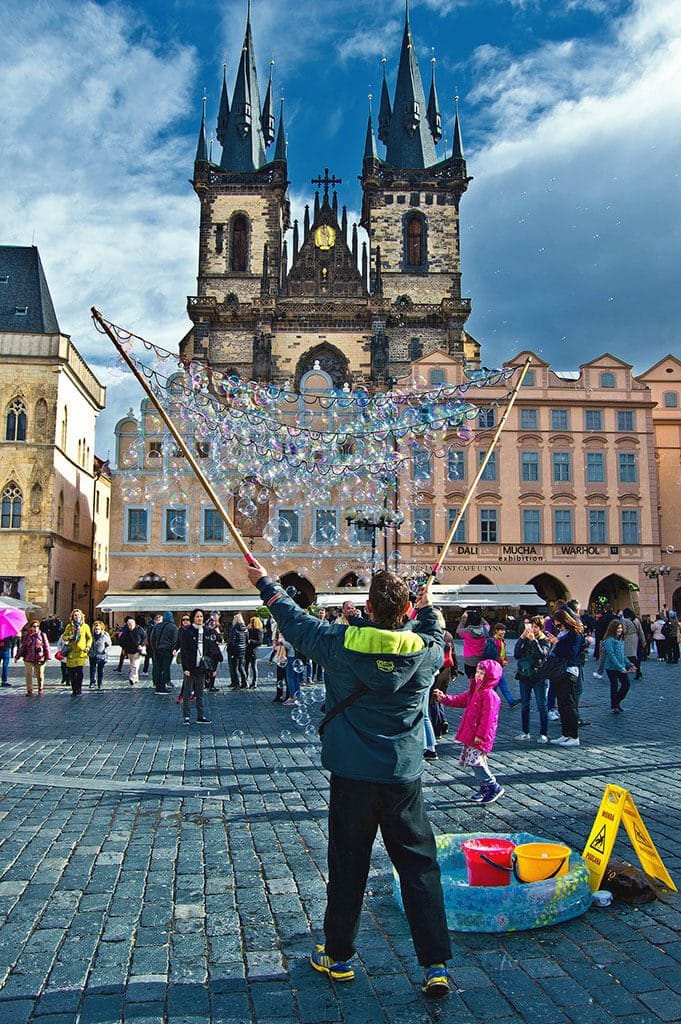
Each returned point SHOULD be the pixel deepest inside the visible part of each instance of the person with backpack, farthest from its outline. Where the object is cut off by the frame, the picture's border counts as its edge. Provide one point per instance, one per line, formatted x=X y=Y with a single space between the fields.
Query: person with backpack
x=498 y=639
x=531 y=651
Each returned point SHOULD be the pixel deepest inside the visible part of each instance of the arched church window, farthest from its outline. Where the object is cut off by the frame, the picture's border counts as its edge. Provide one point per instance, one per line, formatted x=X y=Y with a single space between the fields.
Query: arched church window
x=415 y=242
x=239 y=246
x=10 y=516
x=15 y=425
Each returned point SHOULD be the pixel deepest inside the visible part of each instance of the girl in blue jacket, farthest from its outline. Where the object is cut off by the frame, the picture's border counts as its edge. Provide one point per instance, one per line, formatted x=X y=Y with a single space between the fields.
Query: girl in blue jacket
x=617 y=665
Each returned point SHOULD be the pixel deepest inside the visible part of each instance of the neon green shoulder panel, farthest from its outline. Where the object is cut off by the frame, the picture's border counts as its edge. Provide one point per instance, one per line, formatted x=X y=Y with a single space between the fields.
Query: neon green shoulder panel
x=368 y=640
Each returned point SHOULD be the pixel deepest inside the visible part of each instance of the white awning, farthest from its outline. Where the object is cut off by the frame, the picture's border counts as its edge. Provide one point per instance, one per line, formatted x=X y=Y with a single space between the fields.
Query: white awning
x=13 y=602
x=445 y=595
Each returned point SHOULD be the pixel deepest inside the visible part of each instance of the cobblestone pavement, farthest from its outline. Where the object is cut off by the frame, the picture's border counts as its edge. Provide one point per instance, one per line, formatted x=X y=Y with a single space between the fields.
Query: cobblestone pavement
x=151 y=872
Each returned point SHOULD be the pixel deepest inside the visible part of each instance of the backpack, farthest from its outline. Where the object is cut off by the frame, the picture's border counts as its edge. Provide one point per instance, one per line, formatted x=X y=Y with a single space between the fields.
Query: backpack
x=490 y=651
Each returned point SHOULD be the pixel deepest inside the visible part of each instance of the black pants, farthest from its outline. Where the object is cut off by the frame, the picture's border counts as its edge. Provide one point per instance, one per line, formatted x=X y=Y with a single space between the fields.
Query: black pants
x=619 y=686
x=356 y=811
x=672 y=651
x=250 y=665
x=76 y=679
x=565 y=689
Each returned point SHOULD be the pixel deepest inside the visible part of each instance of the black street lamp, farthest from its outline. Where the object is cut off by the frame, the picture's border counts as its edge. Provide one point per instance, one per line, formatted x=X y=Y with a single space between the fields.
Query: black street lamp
x=375 y=521
x=653 y=572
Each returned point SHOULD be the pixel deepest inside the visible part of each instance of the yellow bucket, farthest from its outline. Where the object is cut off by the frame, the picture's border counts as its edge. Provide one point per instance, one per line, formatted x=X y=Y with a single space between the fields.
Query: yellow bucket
x=537 y=862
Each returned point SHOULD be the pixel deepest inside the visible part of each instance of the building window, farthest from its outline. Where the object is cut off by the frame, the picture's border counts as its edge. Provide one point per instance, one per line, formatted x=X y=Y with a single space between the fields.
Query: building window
x=630 y=526
x=107 y=508
x=175 y=531
x=289 y=526
x=560 y=419
x=529 y=419
x=155 y=453
x=96 y=502
x=415 y=241
x=490 y=470
x=239 y=244
x=325 y=526
x=437 y=377
x=607 y=380
x=421 y=467
x=203 y=449
x=597 y=526
x=76 y=520
x=595 y=468
x=562 y=526
x=487 y=419
x=60 y=513
x=11 y=508
x=529 y=466
x=213 y=527
x=671 y=399
x=423 y=526
x=64 y=429
x=488 y=526
x=593 y=420
x=530 y=379
x=15 y=424
x=531 y=526
x=137 y=526
x=627 y=467
x=625 y=420
x=456 y=464
x=460 y=535
x=562 y=470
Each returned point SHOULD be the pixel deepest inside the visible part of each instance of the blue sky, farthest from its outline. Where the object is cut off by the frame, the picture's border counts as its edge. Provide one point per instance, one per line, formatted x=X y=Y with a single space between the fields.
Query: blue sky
x=571 y=229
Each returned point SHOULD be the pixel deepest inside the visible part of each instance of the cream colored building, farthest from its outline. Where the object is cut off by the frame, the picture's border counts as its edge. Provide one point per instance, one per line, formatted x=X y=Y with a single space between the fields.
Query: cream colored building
x=664 y=381
x=50 y=402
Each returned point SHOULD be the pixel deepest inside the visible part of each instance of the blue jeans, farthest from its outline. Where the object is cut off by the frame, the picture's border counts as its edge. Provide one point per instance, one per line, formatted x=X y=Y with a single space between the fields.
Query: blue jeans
x=539 y=691
x=429 y=737
x=292 y=680
x=6 y=655
x=502 y=685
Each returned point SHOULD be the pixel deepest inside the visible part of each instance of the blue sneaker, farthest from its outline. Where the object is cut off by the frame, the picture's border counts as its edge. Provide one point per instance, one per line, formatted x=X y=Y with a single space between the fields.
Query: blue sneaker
x=436 y=983
x=478 y=797
x=339 y=970
x=492 y=793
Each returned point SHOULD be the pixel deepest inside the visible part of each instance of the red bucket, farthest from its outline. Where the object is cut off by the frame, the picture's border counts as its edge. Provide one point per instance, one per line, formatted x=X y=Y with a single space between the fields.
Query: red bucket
x=488 y=861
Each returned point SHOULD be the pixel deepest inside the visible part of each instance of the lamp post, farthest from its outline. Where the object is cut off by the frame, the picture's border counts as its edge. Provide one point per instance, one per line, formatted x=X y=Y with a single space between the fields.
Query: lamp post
x=653 y=572
x=375 y=521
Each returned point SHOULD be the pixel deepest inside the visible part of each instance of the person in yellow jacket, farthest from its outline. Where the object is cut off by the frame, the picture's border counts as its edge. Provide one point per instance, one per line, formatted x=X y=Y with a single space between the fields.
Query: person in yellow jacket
x=78 y=638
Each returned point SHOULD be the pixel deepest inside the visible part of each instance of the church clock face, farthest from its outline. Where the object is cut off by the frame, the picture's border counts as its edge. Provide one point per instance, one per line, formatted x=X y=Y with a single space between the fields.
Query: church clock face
x=325 y=237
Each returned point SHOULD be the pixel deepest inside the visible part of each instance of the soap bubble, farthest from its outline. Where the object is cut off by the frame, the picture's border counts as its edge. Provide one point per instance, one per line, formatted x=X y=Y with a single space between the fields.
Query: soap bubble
x=298 y=666
x=285 y=736
x=237 y=736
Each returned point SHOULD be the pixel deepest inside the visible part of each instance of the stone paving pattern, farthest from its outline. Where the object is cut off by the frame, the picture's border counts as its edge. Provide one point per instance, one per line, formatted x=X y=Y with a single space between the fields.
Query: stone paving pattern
x=153 y=873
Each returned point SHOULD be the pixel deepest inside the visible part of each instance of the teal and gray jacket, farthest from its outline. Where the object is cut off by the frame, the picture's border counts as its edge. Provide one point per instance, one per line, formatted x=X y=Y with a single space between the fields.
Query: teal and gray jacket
x=379 y=738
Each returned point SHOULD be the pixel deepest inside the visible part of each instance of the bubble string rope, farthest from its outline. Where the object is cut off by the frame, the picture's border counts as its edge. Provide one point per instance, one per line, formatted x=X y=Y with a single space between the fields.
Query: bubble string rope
x=238 y=539
x=262 y=435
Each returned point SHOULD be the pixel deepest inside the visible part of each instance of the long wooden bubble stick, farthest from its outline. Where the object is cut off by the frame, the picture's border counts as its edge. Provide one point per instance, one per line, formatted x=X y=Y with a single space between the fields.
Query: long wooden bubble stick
x=205 y=483
x=481 y=469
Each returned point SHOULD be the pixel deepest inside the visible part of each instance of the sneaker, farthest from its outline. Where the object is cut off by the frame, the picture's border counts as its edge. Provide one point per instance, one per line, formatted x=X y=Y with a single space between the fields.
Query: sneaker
x=179 y=699
x=430 y=755
x=571 y=741
x=477 y=798
x=131 y=681
x=543 y=739
x=339 y=970
x=559 y=740
x=492 y=792
x=290 y=703
x=524 y=737
x=554 y=716
x=597 y=675
x=186 y=721
x=203 y=721
x=436 y=983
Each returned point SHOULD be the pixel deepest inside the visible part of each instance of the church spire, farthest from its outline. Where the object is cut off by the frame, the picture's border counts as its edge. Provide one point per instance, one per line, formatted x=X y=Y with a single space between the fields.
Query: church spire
x=370 y=151
x=410 y=143
x=223 y=112
x=244 y=143
x=267 y=118
x=457 y=144
x=385 y=112
x=202 y=147
x=434 y=114
x=280 y=148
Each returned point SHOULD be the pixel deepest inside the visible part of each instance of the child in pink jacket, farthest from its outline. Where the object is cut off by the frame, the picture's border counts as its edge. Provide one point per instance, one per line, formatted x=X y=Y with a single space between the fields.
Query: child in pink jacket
x=478 y=728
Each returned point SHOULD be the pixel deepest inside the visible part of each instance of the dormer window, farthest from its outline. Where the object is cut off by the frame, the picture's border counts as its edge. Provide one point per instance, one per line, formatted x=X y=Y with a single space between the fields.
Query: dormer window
x=412 y=116
x=4 y=278
x=607 y=380
x=21 y=311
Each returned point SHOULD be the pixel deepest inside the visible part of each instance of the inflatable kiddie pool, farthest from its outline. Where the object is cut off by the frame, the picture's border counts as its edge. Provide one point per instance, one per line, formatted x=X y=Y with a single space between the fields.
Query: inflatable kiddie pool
x=506 y=908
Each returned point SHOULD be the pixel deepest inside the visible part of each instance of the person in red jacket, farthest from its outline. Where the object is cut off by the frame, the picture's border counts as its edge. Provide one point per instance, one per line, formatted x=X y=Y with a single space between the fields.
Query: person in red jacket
x=478 y=727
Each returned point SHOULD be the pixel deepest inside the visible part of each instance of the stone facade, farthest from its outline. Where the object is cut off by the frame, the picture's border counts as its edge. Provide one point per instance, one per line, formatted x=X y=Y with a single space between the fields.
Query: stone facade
x=48 y=555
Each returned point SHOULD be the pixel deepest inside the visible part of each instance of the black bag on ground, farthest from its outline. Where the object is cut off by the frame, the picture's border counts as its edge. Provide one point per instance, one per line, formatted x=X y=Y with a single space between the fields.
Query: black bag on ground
x=628 y=883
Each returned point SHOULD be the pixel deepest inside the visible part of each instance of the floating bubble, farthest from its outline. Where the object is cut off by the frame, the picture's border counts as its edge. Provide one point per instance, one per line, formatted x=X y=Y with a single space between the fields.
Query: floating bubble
x=237 y=736
x=285 y=736
x=298 y=665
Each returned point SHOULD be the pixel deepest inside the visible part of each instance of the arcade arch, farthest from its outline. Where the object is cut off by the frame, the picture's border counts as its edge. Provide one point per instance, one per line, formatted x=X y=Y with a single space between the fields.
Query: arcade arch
x=613 y=590
x=549 y=587
x=306 y=592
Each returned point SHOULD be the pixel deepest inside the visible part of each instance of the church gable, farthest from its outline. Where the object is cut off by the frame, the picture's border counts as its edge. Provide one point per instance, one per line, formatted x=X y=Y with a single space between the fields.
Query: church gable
x=325 y=266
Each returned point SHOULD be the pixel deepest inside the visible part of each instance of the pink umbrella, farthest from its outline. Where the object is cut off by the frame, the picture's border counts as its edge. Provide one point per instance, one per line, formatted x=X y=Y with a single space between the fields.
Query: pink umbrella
x=11 y=621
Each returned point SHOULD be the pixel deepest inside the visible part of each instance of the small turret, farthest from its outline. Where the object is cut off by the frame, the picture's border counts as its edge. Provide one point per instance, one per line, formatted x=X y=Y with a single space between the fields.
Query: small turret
x=385 y=112
x=267 y=117
x=280 y=148
x=202 y=147
x=434 y=114
x=223 y=113
x=457 y=144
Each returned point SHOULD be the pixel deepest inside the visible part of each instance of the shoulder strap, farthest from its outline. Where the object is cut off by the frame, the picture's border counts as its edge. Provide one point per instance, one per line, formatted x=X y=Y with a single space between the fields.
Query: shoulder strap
x=340 y=707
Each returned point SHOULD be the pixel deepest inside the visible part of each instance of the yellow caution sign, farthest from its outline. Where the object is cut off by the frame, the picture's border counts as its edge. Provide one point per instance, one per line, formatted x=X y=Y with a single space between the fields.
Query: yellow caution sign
x=617 y=805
